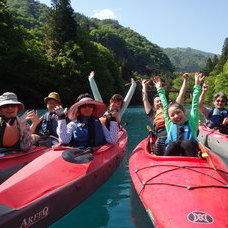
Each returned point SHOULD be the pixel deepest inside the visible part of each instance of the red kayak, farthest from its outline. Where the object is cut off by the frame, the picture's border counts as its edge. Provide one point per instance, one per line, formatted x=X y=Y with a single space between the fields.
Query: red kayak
x=14 y=158
x=214 y=140
x=181 y=191
x=56 y=182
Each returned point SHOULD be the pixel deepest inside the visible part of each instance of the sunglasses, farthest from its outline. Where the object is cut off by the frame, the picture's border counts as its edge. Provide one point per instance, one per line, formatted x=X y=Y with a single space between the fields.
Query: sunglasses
x=222 y=101
x=87 y=105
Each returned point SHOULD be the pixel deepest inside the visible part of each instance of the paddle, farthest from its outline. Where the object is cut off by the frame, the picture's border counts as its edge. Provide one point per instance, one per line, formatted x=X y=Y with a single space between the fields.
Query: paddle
x=152 y=138
x=78 y=156
x=6 y=151
x=206 y=156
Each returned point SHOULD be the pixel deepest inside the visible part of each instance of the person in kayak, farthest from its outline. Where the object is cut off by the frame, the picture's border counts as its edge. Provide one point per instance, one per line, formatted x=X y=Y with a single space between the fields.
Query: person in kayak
x=85 y=129
x=217 y=117
x=44 y=128
x=181 y=133
x=117 y=105
x=14 y=131
x=155 y=113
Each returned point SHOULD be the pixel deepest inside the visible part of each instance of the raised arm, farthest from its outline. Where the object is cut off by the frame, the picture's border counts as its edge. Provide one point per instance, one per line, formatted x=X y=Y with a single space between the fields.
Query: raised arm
x=161 y=92
x=202 y=95
x=94 y=88
x=127 y=98
x=146 y=103
x=180 y=97
x=194 y=113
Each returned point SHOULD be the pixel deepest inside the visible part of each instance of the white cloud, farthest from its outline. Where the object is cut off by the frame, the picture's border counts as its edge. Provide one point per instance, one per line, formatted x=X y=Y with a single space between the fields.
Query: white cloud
x=104 y=14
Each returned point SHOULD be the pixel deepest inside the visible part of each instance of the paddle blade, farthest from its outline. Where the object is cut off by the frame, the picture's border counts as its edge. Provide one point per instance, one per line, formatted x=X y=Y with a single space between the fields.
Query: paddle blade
x=206 y=156
x=149 y=128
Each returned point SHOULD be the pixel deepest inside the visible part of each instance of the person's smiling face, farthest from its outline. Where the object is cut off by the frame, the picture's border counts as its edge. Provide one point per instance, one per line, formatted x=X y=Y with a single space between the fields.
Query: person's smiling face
x=176 y=115
x=86 y=110
x=157 y=103
x=51 y=104
x=116 y=105
x=219 y=102
x=9 y=111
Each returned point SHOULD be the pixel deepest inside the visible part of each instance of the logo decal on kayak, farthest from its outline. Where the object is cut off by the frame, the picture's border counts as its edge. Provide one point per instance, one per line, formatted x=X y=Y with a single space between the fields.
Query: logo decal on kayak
x=29 y=221
x=200 y=217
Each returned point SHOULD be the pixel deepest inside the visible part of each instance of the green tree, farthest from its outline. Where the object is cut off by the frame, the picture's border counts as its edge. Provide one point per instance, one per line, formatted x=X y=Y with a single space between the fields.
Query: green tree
x=221 y=83
x=208 y=68
x=224 y=57
x=61 y=26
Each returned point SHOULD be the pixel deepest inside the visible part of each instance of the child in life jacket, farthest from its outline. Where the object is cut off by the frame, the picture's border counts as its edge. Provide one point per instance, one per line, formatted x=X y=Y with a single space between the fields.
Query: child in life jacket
x=181 y=133
x=117 y=104
x=155 y=113
x=217 y=117
x=85 y=130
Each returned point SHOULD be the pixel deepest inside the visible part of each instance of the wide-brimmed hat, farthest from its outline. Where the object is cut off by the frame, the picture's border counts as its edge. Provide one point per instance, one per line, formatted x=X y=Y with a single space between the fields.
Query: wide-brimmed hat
x=10 y=98
x=99 y=109
x=54 y=96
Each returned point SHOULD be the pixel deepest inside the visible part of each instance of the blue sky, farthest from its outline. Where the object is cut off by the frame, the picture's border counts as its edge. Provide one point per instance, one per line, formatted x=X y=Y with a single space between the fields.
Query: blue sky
x=199 y=24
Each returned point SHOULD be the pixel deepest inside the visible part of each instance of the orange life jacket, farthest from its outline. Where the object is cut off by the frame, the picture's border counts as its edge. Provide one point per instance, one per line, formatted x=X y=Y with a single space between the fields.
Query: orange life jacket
x=159 y=118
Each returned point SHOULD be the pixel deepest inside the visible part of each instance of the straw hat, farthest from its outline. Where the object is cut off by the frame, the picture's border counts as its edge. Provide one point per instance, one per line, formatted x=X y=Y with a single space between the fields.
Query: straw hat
x=54 y=96
x=99 y=110
x=11 y=98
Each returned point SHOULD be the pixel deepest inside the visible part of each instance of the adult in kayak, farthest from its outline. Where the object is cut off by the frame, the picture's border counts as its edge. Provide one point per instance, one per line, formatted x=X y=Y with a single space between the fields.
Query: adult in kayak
x=14 y=131
x=181 y=133
x=216 y=117
x=155 y=112
x=117 y=104
x=44 y=128
x=85 y=129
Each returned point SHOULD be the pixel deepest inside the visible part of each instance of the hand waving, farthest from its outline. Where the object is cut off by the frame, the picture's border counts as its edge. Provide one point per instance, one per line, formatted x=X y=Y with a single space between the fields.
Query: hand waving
x=59 y=112
x=157 y=82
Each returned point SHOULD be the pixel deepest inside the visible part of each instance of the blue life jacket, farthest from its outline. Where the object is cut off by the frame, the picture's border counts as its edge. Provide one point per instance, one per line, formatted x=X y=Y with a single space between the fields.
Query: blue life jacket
x=216 y=117
x=48 y=125
x=88 y=133
x=178 y=133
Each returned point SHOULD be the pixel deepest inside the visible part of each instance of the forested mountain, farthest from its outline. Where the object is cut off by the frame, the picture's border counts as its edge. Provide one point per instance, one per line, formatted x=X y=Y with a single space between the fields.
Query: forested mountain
x=187 y=59
x=55 y=49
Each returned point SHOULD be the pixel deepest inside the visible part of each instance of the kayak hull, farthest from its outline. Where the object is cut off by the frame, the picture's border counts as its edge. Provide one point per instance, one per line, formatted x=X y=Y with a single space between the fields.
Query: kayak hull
x=214 y=140
x=55 y=188
x=180 y=191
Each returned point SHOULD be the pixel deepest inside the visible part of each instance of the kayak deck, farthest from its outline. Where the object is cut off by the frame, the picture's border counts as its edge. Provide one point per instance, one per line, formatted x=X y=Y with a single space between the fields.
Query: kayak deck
x=180 y=191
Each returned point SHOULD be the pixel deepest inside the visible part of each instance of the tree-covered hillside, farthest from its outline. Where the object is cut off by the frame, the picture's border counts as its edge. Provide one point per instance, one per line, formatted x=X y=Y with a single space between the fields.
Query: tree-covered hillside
x=187 y=59
x=40 y=52
x=54 y=49
x=216 y=71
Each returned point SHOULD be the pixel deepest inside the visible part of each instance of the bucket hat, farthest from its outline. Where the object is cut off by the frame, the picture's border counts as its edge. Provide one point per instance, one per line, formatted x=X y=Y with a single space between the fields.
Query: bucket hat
x=99 y=109
x=8 y=98
x=53 y=95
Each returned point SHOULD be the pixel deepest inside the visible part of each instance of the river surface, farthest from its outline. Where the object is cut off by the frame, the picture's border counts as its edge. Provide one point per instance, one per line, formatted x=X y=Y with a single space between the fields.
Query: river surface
x=115 y=204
